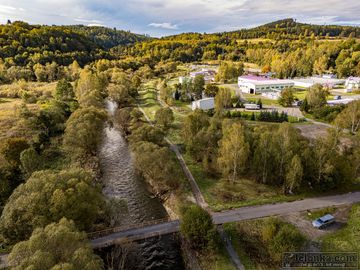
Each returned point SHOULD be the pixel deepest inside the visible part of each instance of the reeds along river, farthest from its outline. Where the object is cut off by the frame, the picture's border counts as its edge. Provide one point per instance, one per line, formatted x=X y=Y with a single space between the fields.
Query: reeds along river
x=121 y=182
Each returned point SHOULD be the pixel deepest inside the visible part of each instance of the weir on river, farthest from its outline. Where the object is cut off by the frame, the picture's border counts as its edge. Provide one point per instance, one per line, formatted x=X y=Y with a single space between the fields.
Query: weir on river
x=122 y=182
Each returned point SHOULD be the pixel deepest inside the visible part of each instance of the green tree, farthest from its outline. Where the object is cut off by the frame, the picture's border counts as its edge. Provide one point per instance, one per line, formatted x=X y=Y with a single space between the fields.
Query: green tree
x=64 y=91
x=83 y=131
x=198 y=86
x=11 y=149
x=316 y=96
x=350 y=117
x=48 y=196
x=222 y=100
x=157 y=165
x=211 y=90
x=164 y=117
x=147 y=133
x=198 y=229
x=287 y=97
x=193 y=123
x=57 y=246
x=229 y=71
x=294 y=174
x=233 y=152
x=30 y=161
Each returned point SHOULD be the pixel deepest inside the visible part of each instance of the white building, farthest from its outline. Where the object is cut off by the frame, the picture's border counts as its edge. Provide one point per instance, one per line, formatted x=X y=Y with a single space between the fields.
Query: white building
x=251 y=106
x=254 y=84
x=326 y=81
x=209 y=75
x=352 y=83
x=203 y=104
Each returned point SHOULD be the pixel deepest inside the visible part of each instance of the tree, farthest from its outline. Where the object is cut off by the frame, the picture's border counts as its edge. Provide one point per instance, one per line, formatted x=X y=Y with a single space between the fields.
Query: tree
x=83 y=131
x=287 y=97
x=30 y=161
x=233 y=152
x=157 y=165
x=198 y=86
x=294 y=174
x=193 y=123
x=350 y=117
x=316 y=96
x=64 y=91
x=164 y=117
x=46 y=197
x=229 y=71
x=321 y=64
x=197 y=227
x=11 y=149
x=57 y=246
x=120 y=94
x=222 y=100
x=211 y=90
x=147 y=133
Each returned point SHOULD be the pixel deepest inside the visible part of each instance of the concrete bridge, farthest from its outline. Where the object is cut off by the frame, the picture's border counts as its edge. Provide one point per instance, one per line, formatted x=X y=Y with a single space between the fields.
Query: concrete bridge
x=158 y=228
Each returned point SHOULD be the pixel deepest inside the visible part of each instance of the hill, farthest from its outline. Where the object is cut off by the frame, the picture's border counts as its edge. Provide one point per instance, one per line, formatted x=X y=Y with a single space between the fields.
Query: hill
x=22 y=44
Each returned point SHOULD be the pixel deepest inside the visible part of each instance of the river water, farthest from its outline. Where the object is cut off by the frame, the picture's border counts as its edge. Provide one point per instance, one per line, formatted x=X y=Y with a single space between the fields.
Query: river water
x=121 y=182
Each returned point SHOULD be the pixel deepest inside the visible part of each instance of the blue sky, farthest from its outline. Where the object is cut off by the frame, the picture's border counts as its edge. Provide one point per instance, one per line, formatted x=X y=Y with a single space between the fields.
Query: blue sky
x=167 y=17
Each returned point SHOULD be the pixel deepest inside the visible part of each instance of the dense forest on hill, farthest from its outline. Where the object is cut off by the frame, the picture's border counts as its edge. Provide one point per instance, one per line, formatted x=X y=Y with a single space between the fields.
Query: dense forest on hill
x=23 y=44
x=288 y=48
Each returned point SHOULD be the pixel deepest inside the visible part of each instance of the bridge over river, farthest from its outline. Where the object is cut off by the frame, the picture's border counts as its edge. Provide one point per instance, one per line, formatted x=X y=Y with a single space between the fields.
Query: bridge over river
x=163 y=227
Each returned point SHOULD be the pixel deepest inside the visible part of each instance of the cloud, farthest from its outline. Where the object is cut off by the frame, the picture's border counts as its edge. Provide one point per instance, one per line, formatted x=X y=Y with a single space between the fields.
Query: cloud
x=143 y=16
x=164 y=25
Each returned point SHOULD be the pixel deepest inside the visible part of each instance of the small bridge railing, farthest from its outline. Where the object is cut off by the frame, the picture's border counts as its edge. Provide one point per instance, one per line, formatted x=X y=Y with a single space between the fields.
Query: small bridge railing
x=105 y=232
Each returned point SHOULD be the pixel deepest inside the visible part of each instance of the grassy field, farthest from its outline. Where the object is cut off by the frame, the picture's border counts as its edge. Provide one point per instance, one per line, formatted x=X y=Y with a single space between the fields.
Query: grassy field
x=346 y=239
x=221 y=195
x=255 y=251
x=218 y=260
x=8 y=117
x=148 y=100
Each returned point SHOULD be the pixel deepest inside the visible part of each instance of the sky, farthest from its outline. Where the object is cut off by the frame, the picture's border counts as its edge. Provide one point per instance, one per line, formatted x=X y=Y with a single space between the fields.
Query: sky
x=168 y=17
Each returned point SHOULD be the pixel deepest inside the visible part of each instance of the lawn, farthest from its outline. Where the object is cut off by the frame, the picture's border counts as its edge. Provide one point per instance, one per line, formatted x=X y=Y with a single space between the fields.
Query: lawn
x=148 y=100
x=221 y=195
x=346 y=239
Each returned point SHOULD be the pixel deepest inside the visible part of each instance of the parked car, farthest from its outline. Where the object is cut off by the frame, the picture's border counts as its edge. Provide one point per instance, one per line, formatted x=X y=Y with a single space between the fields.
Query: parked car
x=337 y=97
x=323 y=222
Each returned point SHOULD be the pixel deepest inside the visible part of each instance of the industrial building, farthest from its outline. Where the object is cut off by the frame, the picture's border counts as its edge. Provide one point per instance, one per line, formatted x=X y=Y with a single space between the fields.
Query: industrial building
x=256 y=85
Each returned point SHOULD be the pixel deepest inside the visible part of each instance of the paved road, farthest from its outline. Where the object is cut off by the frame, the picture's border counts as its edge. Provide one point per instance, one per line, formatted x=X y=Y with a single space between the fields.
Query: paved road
x=240 y=214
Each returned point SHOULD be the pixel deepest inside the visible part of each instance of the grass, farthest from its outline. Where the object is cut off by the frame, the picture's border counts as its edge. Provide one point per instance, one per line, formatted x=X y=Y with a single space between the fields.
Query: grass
x=8 y=118
x=148 y=100
x=319 y=213
x=221 y=195
x=248 y=240
x=346 y=239
x=218 y=260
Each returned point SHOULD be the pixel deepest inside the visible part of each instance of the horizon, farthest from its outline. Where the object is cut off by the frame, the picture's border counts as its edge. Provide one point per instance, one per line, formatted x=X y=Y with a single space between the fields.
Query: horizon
x=158 y=19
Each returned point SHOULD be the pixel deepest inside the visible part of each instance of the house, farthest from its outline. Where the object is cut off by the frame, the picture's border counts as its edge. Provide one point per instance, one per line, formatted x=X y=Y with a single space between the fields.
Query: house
x=255 y=84
x=326 y=81
x=203 y=104
x=352 y=83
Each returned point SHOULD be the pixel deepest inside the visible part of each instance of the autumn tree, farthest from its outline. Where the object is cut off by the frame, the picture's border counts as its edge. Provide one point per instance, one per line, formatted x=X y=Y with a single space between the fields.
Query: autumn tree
x=57 y=246
x=83 y=131
x=350 y=117
x=222 y=100
x=233 y=152
x=316 y=96
x=287 y=97
x=211 y=90
x=64 y=91
x=11 y=149
x=294 y=174
x=48 y=196
x=229 y=71
x=30 y=160
x=164 y=117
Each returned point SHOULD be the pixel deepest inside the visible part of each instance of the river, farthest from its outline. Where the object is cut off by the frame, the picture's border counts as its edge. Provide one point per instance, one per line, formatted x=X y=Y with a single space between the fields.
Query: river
x=122 y=182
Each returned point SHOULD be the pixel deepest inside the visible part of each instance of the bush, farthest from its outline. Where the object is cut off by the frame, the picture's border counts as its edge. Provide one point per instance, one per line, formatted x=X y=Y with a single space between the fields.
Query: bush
x=197 y=227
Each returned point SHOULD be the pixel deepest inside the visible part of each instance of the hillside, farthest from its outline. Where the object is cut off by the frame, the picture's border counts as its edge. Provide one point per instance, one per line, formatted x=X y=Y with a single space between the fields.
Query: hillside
x=22 y=44
x=292 y=28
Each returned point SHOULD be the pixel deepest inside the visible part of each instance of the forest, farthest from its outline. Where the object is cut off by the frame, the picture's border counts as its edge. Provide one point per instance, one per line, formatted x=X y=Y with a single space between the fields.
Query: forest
x=54 y=81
